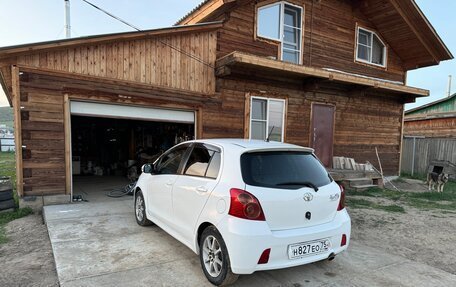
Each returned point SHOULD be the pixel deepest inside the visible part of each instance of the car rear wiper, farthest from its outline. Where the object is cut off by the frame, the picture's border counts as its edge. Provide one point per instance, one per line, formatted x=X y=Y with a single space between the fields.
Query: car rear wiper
x=302 y=183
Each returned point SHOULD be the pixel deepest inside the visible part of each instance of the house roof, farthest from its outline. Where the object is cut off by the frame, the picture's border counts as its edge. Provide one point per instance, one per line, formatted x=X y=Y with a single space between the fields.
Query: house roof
x=243 y=61
x=204 y=9
x=417 y=109
x=400 y=22
x=9 y=51
x=193 y=11
x=421 y=117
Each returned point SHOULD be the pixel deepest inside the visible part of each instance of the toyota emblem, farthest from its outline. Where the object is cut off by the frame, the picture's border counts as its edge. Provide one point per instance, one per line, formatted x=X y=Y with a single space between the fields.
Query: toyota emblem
x=308 y=197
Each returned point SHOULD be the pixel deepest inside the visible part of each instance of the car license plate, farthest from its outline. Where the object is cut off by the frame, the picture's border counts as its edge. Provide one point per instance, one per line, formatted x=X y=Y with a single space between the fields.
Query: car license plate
x=303 y=249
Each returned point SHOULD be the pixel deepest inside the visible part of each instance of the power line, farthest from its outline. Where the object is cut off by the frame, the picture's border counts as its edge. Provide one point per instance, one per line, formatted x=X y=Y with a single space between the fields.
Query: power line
x=196 y=58
x=111 y=15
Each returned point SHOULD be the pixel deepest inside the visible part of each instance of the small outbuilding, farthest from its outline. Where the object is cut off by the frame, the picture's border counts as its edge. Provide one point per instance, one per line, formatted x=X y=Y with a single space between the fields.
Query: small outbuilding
x=434 y=120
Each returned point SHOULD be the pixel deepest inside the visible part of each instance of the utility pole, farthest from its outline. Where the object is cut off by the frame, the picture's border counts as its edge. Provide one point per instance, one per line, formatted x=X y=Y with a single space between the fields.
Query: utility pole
x=450 y=79
x=67 y=19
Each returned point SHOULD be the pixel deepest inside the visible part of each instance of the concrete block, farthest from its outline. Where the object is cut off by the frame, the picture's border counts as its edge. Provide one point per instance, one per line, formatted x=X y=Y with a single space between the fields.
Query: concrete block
x=37 y=202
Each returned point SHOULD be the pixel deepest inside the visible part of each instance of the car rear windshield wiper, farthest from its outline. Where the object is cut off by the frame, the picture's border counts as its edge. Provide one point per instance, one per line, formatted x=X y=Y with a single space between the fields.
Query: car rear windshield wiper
x=301 y=183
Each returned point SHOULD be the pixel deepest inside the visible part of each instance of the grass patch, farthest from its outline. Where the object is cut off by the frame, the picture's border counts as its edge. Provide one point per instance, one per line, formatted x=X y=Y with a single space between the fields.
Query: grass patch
x=363 y=203
x=8 y=168
x=378 y=192
x=6 y=217
x=421 y=200
x=418 y=176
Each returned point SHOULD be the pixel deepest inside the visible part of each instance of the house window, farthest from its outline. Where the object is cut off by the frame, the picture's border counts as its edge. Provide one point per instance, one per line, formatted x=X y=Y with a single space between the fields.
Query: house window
x=282 y=22
x=267 y=118
x=370 y=48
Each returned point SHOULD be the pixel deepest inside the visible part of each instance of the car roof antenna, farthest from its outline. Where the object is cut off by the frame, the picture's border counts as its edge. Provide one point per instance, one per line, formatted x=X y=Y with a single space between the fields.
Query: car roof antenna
x=269 y=135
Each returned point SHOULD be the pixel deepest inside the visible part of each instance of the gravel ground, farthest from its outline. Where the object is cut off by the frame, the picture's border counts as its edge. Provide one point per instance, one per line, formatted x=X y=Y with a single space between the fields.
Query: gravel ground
x=27 y=259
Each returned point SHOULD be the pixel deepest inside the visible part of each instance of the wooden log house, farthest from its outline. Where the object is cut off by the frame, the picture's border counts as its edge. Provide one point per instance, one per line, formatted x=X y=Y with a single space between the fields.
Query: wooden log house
x=330 y=74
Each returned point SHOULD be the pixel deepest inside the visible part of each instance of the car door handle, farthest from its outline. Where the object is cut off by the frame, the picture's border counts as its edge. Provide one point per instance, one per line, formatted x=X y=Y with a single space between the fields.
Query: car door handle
x=201 y=189
x=169 y=183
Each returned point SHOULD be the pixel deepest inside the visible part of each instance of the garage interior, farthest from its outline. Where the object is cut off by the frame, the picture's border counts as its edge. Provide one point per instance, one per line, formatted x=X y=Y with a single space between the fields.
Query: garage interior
x=107 y=153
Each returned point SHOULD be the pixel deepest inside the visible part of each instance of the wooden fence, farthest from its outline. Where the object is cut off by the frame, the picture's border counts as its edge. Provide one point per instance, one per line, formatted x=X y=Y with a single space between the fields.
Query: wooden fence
x=417 y=152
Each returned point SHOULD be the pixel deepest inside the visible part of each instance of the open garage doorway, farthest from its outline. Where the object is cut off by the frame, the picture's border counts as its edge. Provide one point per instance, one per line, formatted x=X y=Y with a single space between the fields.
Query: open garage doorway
x=108 y=149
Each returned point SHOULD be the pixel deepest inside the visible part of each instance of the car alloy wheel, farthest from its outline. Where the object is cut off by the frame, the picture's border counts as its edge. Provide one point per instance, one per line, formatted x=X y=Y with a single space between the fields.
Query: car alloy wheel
x=140 y=210
x=212 y=256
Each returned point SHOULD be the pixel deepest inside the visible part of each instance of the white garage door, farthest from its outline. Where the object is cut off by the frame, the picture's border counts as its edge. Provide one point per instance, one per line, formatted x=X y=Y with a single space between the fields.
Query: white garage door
x=131 y=112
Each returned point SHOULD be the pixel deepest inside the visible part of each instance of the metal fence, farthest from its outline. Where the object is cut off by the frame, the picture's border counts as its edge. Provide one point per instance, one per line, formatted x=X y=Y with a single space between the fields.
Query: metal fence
x=418 y=152
x=7 y=144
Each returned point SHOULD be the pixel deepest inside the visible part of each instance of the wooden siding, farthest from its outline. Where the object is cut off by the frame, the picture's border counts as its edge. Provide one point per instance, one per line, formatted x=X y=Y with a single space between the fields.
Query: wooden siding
x=435 y=127
x=443 y=106
x=329 y=38
x=43 y=131
x=160 y=61
x=360 y=124
x=363 y=120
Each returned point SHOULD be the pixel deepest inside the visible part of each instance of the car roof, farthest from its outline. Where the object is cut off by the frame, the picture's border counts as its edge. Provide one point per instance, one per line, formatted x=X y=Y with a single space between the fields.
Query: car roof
x=247 y=145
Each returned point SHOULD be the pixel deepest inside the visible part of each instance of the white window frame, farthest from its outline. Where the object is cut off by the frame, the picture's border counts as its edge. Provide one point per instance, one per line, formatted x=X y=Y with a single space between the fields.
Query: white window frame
x=385 y=54
x=281 y=28
x=268 y=100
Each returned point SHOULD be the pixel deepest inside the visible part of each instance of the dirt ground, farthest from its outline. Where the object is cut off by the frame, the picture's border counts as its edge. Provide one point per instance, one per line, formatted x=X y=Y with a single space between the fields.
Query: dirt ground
x=426 y=236
x=27 y=259
x=410 y=185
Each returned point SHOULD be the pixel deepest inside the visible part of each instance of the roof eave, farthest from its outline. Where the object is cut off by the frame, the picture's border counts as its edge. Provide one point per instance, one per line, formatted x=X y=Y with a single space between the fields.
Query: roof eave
x=203 y=10
x=431 y=116
x=6 y=52
x=447 y=55
x=430 y=104
x=241 y=59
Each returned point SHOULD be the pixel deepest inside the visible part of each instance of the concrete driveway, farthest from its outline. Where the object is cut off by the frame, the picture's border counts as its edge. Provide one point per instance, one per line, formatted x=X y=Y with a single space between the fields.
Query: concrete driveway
x=100 y=244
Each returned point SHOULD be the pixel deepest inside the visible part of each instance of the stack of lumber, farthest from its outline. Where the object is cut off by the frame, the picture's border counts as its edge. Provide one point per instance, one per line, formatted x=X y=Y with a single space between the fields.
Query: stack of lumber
x=345 y=163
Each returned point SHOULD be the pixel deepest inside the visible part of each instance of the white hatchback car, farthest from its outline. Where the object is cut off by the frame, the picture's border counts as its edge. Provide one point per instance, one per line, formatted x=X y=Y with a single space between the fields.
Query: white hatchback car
x=244 y=206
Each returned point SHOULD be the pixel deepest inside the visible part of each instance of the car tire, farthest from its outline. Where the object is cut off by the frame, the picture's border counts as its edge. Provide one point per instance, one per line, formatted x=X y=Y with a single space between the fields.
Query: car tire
x=140 y=210
x=214 y=258
x=6 y=195
x=7 y=204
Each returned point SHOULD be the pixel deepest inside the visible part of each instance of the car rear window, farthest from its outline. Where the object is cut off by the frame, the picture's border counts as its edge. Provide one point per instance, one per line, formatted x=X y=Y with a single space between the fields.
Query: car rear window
x=283 y=169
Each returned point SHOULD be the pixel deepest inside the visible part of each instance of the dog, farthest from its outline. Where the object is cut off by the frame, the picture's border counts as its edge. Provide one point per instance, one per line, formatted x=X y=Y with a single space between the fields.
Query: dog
x=439 y=179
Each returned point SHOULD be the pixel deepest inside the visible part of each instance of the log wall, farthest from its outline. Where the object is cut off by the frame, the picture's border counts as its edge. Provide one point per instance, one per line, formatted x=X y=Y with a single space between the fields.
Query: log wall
x=42 y=119
x=328 y=42
x=431 y=128
x=363 y=120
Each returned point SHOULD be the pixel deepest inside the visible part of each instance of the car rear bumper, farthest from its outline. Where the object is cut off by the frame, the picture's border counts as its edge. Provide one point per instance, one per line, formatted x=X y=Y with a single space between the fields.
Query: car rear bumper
x=246 y=241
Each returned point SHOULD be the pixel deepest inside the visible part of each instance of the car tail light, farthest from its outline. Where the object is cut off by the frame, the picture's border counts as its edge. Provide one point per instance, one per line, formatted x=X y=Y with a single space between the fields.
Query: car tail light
x=245 y=205
x=264 y=258
x=343 y=242
x=342 y=198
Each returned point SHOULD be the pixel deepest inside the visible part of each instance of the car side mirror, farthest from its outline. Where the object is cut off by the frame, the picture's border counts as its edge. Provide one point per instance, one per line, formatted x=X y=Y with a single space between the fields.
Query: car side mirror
x=148 y=168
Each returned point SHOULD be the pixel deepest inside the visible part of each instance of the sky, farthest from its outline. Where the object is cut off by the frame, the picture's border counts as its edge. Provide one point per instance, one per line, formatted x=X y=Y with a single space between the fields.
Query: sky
x=27 y=21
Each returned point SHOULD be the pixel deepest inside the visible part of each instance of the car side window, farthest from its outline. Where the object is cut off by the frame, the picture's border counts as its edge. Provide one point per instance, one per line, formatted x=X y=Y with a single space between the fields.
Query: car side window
x=214 y=166
x=170 y=162
x=198 y=161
